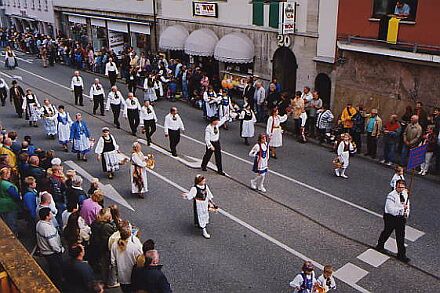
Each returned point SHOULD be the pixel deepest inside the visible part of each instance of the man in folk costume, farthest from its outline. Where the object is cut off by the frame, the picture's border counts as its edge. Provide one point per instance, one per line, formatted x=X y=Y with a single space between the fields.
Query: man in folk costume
x=77 y=86
x=49 y=113
x=131 y=112
x=247 y=125
x=97 y=96
x=31 y=106
x=261 y=159
x=138 y=171
x=107 y=152
x=111 y=71
x=172 y=127
x=274 y=131
x=212 y=140
x=148 y=120
x=4 y=88
x=80 y=136
x=202 y=201
x=63 y=127
x=16 y=94
x=116 y=102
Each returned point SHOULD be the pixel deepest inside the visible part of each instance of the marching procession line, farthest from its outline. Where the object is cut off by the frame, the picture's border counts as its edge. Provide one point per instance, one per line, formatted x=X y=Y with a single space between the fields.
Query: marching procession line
x=412 y=234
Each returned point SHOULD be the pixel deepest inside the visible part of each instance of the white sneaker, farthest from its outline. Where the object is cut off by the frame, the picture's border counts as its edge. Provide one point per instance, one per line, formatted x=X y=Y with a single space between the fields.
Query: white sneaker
x=206 y=234
x=382 y=162
x=253 y=184
x=423 y=173
x=337 y=172
x=262 y=189
x=389 y=164
x=420 y=172
x=344 y=176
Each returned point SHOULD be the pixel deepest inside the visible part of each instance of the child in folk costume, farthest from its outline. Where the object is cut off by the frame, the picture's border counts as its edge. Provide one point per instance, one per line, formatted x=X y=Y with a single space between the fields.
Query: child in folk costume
x=63 y=127
x=202 y=201
x=247 y=125
x=80 y=136
x=10 y=58
x=149 y=89
x=260 y=153
x=344 y=149
x=302 y=127
x=31 y=107
x=326 y=282
x=211 y=103
x=225 y=106
x=274 y=131
x=107 y=152
x=49 y=113
x=398 y=175
x=138 y=171
x=305 y=282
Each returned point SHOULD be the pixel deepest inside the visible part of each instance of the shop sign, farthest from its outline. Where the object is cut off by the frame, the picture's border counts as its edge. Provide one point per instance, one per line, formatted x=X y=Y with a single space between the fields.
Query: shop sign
x=288 y=19
x=205 y=9
x=116 y=41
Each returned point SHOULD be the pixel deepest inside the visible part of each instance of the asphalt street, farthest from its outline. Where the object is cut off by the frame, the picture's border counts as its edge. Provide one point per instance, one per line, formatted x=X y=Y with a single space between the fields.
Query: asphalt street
x=259 y=241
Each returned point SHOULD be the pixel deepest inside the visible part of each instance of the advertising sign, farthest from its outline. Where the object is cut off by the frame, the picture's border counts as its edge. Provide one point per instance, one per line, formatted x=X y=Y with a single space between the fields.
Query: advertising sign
x=288 y=18
x=205 y=9
x=116 y=41
x=416 y=157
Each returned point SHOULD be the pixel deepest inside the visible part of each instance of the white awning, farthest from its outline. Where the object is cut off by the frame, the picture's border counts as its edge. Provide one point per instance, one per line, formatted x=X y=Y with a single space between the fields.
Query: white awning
x=201 y=42
x=117 y=26
x=235 y=48
x=77 y=19
x=138 y=28
x=173 y=38
x=98 y=22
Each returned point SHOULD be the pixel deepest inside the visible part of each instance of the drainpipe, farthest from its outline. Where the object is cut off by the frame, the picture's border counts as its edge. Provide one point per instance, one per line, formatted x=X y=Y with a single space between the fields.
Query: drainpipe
x=155 y=26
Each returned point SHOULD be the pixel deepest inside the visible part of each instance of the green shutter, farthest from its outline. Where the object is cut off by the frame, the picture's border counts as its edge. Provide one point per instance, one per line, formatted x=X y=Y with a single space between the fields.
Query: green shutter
x=274 y=14
x=258 y=12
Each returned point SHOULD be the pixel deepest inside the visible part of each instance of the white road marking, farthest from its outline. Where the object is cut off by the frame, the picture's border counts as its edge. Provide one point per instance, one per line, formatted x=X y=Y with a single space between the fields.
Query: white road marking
x=5 y=74
x=412 y=236
x=391 y=245
x=373 y=257
x=350 y=273
x=264 y=235
x=25 y=60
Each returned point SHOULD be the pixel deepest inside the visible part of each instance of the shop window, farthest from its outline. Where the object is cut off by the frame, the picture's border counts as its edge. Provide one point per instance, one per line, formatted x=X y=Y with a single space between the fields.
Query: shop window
x=274 y=14
x=387 y=7
x=258 y=12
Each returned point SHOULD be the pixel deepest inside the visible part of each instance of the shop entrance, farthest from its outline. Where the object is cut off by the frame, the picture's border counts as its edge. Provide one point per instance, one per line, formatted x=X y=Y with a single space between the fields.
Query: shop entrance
x=284 y=68
x=324 y=86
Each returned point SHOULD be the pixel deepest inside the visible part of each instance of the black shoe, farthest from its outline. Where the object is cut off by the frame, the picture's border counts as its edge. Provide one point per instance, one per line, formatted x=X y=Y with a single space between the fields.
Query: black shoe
x=204 y=169
x=380 y=249
x=102 y=114
x=78 y=156
x=133 y=133
x=94 y=113
x=118 y=126
x=82 y=105
x=174 y=155
x=221 y=173
x=404 y=259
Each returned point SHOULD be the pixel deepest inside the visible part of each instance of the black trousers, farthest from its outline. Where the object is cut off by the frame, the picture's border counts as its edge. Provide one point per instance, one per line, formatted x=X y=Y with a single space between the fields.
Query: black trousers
x=112 y=77
x=3 y=96
x=174 y=136
x=371 y=144
x=116 y=109
x=98 y=101
x=217 y=153
x=357 y=138
x=18 y=102
x=392 y=223
x=133 y=119
x=55 y=263
x=78 y=92
x=150 y=128
x=132 y=87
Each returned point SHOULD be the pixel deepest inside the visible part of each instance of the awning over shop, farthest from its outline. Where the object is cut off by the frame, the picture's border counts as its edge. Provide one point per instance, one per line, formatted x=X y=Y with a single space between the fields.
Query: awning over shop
x=117 y=26
x=77 y=19
x=173 y=38
x=139 y=28
x=201 y=42
x=235 y=48
x=98 y=22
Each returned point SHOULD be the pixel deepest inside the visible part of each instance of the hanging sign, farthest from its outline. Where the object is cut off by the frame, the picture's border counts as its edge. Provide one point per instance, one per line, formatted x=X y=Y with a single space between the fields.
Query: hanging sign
x=205 y=9
x=288 y=19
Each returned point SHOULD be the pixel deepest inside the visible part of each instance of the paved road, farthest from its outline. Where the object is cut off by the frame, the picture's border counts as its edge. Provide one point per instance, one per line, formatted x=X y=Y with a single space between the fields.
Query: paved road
x=259 y=241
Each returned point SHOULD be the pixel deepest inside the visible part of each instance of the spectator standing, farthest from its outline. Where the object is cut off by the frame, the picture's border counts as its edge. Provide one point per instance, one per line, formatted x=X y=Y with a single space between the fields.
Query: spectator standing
x=392 y=130
x=76 y=195
x=79 y=274
x=411 y=138
x=421 y=113
x=91 y=207
x=314 y=105
x=373 y=127
x=9 y=198
x=297 y=105
x=324 y=122
x=347 y=118
x=273 y=97
x=259 y=100
x=431 y=143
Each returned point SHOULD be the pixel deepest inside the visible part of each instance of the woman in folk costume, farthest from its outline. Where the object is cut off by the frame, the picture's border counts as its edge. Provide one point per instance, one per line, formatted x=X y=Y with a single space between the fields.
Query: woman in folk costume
x=225 y=106
x=247 y=125
x=63 y=127
x=149 y=89
x=274 y=131
x=107 y=152
x=138 y=171
x=31 y=107
x=80 y=136
x=344 y=149
x=211 y=102
x=49 y=113
x=10 y=58
x=202 y=202
x=260 y=153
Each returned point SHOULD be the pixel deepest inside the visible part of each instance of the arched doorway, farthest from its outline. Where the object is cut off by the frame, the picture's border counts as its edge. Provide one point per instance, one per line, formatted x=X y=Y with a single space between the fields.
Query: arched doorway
x=324 y=86
x=284 y=68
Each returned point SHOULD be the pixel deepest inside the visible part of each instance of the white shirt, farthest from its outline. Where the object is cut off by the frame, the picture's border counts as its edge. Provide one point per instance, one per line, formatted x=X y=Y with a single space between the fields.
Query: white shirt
x=76 y=81
x=3 y=84
x=212 y=133
x=323 y=283
x=394 y=180
x=131 y=104
x=111 y=67
x=173 y=124
x=96 y=90
x=394 y=207
x=147 y=113
x=113 y=99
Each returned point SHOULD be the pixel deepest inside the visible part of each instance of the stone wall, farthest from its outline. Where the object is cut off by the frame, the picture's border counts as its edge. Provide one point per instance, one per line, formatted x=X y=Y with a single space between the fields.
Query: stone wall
x=386 y=84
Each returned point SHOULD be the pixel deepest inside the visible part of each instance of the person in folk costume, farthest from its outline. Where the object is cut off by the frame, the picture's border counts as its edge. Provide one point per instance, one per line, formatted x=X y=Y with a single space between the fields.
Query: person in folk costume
x=97 y=96
x=302 y=127
x=111 y=71
x=77 y=86
x=225 y=106
x=116 y=102
x=49 y=113
x=305 y=282
x=132 y=79
x=138 y=171
x=274 y=131
x=149 y=89
x=212 y=142
x=10 y=58
x=31 y=106
x=158 y=86
x=211 y=102
x=4 y=88
x=131 y=112
x=202 y=202
x=148 y=120
x=16 y=94
x=107 y=152
x=63 y=127
x=80 y=137
x=247 y=123
x=345 y=147
x=260 y=153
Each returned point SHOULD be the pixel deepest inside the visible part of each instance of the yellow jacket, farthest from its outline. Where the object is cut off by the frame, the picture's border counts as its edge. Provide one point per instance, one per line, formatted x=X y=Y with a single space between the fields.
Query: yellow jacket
x=347 y=116
x=11 y=158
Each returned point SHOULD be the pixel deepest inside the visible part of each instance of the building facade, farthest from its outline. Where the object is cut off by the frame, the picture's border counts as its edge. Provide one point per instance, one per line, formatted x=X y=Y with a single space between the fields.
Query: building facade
x=377 y=70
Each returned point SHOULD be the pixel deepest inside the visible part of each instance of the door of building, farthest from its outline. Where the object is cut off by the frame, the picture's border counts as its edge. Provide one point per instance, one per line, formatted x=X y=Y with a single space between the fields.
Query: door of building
x=324 y=86
x=284 y=69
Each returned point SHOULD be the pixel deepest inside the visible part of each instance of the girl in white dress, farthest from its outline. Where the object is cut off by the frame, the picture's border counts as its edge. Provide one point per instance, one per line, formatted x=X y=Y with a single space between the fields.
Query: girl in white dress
x=202 y=201
x=31 y=107
x=248 y=120
x=225 y=106
x=63 y=127
x=107 y=151
x=10 y=58
x=149 y=89
x=261 y=161
x=345 y=147
x=211 y=103
x=274 y=131
x=138 y=171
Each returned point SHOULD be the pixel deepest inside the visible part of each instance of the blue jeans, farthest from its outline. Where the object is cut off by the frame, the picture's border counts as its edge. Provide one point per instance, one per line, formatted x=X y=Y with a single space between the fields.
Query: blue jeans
x=185 y=92
x=388 y=151
x=260 y=112
x=404 y=155
x=10 y=219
